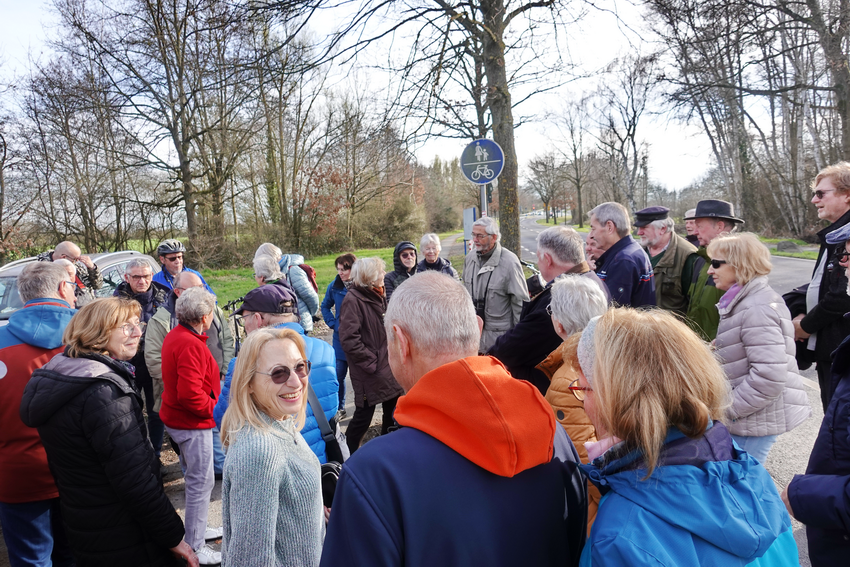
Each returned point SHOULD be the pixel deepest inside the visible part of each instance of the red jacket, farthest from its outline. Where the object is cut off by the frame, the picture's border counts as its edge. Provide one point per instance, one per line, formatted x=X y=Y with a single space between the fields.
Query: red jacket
x=191 y=379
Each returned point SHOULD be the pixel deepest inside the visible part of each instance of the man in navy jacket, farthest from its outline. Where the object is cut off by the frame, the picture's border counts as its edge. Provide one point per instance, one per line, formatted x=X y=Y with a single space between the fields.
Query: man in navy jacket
x=624 y=266
x=480 y=473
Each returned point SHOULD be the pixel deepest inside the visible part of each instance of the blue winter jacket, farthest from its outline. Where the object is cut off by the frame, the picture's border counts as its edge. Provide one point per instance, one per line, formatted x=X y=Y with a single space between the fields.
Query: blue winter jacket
x=322 y=378
x=821 y=497
x=708 y=503
x=626 y=270
x=165 y=278
x=333 y=299
x=308 y=299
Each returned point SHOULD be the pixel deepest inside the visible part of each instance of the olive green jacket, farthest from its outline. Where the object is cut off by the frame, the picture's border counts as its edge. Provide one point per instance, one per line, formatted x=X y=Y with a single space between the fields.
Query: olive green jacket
x=670 y=294
x=702 y=301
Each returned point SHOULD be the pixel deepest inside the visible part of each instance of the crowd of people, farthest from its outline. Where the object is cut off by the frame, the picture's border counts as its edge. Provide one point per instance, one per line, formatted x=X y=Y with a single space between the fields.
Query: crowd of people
x=618 y=412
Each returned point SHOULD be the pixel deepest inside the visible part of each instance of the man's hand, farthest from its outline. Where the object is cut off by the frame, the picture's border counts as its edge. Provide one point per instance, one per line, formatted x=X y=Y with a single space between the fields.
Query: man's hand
x=184 y=550
x=799 y=333
x=787 y=502
x=87 y=261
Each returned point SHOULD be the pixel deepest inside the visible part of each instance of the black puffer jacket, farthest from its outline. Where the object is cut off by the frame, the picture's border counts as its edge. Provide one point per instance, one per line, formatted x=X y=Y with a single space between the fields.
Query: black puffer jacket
x=89 y=417
x=399 y=274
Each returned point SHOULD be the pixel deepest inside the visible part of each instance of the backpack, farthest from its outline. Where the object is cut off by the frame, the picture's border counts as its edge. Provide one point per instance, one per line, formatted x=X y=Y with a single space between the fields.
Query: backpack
x=311 y=275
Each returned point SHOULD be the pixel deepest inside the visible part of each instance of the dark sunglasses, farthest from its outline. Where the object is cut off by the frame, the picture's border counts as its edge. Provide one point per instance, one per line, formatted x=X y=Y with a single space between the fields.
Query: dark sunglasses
x=174 y=258
x=408 y=254
x=717 y=263
x=841 y=255
x=281 y=374
x=821 y=192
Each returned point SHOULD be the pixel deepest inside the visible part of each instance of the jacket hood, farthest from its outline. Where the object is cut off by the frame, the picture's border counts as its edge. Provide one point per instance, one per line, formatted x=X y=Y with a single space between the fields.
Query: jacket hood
x=397 y=265
x=288 y=260
x=61 y=380
x=738 y=484
x=475 y=407
x=41 y=322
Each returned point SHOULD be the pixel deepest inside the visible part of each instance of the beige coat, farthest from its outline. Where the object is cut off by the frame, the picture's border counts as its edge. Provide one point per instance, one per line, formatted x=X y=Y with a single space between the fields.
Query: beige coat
x=502 y=278
x=755 y=345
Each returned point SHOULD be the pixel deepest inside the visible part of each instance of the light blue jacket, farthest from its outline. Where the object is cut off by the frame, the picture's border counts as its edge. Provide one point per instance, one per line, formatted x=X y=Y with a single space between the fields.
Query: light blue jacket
x=718 y=513
x=322 y=378
x=308 y=299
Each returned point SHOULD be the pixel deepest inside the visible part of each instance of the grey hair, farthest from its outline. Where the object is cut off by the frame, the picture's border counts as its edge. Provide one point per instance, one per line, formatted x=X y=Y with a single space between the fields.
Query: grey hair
x=490 y=226
x=65 y=263
x=193 y=305
x=41 y=279
x=614 y=212
x=575 y=301
x=429 y=238
x=266 y=267
x=587 y=350
x=667 y=223
x=366 y=272
x=138 y=263
x=690 y=213
x=562 y=242
x=268 y=249
x=435 y=311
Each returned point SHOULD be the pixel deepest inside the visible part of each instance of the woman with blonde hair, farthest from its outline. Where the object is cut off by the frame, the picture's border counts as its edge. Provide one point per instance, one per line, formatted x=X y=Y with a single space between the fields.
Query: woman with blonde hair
x=271 y=490
x=755 y=346
x=88 y=412
x=677 y=490
x=364 y=340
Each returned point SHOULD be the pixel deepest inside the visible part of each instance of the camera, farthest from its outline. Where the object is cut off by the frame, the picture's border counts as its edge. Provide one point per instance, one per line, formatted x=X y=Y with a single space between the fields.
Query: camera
x=479 y=304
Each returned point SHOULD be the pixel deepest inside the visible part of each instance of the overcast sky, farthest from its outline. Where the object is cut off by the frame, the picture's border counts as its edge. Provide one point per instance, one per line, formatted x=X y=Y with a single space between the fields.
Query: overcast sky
x=678 y=155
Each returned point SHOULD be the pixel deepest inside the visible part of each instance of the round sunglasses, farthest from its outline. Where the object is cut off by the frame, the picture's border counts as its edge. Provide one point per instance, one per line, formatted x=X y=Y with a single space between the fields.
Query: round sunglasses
x=281 y=374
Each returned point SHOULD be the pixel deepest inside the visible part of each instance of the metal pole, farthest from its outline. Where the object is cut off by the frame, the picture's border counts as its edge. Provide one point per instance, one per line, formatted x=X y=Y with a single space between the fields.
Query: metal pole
x=484 y=199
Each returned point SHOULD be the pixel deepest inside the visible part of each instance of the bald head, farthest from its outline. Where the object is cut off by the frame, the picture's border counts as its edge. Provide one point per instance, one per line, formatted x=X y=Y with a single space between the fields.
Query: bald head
x=67 y=250
x=186 y=280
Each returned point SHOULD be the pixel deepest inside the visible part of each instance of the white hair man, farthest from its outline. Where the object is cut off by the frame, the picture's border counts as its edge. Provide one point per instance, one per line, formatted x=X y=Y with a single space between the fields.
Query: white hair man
x=29 y=499
x=494 y=279
x=276 y=306
x=88 y=279
x=560 y=250
x=463 y=418
x=220 y=344
x=691 y=227
x=623 y=265
x=712 y=218
x=671 y=256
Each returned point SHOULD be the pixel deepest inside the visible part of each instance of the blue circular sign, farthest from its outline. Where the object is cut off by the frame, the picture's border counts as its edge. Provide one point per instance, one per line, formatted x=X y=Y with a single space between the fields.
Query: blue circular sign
x=482 y=161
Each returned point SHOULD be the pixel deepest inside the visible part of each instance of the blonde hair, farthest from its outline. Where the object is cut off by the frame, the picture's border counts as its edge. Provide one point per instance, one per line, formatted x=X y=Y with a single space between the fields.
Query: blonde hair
x=243 y=409
x=744 y=252
x=366 y=272
x=652 y=372
x=89 y=329
x=838 y=173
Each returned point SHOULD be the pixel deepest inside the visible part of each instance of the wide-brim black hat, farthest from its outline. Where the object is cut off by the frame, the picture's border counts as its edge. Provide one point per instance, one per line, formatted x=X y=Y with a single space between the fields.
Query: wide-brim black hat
x=715 y=209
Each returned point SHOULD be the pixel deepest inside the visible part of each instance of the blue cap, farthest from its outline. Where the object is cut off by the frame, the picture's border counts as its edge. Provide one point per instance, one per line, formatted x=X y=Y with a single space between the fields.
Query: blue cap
x=839 y=235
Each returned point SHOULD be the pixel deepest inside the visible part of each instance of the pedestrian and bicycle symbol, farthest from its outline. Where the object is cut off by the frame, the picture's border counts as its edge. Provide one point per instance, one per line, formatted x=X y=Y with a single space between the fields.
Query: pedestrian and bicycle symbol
x=482 y=161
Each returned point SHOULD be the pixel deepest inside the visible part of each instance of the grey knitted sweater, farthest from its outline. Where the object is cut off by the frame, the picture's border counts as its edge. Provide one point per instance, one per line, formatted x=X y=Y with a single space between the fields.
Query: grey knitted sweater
x=272 y=500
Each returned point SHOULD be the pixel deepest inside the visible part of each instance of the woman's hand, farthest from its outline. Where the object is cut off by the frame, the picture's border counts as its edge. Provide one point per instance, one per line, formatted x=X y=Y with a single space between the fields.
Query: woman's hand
x=787 y=502
x=185 y=551
x=327 y=514
x=799 y=333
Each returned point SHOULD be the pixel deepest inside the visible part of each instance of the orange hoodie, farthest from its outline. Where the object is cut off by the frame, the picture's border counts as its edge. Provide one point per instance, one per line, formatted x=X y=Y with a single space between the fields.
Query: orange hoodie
x=477 y=408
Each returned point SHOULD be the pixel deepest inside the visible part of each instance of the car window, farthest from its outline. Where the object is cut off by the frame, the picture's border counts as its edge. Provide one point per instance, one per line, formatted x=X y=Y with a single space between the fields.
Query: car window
x=9 y=298
x=112 y=278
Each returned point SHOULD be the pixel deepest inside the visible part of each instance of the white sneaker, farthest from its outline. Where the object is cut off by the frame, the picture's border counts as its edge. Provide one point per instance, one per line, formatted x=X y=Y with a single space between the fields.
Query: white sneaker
x=207 y=555
x=213 y=533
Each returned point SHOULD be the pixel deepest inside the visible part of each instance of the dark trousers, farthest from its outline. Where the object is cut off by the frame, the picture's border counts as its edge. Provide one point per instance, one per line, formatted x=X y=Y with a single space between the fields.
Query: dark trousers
x=362 y=419
x=824 y=368
x=156 y=429
x=341 y=371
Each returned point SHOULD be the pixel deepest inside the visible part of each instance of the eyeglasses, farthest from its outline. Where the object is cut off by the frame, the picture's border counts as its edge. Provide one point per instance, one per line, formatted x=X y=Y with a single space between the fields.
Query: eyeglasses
x=578 y=391
x=143 y=277
x=408 y=254
x=128 y=328
x=841 y=255
x=281 y=374
x=717 y=263
x=821 y=192
x=174 y=258
x=476 y=236
x=70 y=283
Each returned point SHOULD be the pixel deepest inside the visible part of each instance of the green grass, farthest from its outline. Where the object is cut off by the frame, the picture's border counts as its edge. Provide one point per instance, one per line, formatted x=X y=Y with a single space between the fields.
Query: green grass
x=551 y=222
x=231 y=284
x=807 y=254
x=778 y=240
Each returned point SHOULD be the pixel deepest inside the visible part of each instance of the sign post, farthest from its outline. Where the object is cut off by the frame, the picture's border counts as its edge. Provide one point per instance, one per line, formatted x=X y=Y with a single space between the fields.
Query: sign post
x=481 y=163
